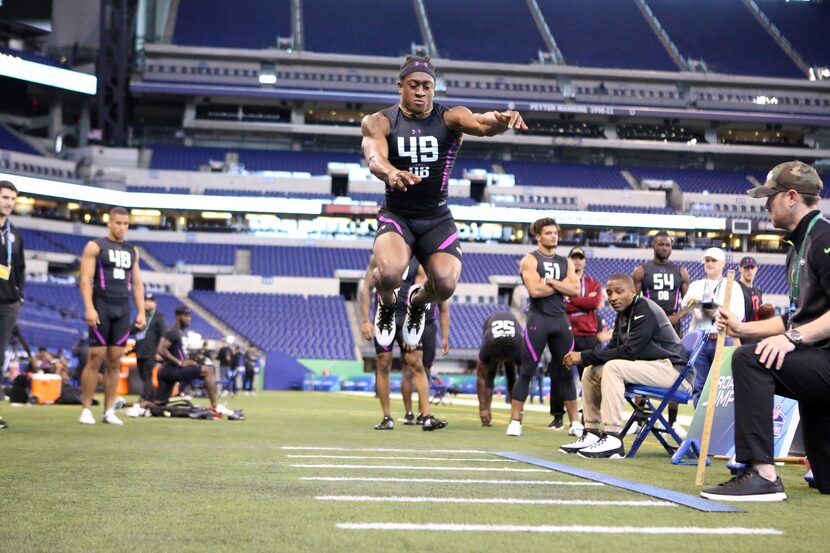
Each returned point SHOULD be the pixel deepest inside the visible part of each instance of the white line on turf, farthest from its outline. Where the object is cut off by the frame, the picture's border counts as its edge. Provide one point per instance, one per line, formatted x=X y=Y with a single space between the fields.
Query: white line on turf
x=452 y=481
x=494 y=500
x=407 y=467
x=398 y=526
x=383 y=449
x=401 y=458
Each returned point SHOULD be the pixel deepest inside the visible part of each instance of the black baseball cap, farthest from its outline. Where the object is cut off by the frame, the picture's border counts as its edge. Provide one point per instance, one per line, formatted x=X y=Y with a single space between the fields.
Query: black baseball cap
x=577 y=251
x=182 y=310
x=748 y=262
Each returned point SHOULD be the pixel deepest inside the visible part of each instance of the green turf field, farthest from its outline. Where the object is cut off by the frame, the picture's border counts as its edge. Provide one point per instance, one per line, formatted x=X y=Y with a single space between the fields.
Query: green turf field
x=181 y=485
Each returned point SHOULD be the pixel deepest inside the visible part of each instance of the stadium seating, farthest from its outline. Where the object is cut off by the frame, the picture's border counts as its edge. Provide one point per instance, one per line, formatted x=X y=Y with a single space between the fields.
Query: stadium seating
x=694 y=180
x=172 y=253
x=605 y=33
x=539 y=173
x=631 y=209
x=238 y=24
x=311 y=262
x=484 y=30
x=315 y=327
x=467 y=321
x=9 y=141
x=362 y=27
x=804 y=24
x=725 y=35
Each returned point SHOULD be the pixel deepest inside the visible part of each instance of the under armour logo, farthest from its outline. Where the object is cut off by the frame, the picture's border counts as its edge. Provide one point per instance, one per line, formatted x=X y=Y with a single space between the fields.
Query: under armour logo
x=417 y=131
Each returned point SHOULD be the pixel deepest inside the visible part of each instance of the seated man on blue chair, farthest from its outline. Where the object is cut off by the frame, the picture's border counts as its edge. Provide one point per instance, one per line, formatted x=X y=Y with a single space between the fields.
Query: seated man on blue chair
x=644 y=349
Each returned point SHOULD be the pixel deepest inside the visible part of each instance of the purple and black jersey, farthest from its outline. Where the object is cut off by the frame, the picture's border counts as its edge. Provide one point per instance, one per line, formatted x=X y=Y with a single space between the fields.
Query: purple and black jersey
x=113 y=270
x=427 y=148
x=661 y=284
x=554 y=267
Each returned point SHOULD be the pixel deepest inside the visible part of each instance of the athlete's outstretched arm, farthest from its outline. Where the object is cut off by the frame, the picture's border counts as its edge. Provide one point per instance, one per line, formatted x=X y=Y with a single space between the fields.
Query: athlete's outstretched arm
x=138 y=295
x=483 y=124
x=375 y=128
x=569 y=286
x=91 y=252
x=535 y=284
x=364 y=300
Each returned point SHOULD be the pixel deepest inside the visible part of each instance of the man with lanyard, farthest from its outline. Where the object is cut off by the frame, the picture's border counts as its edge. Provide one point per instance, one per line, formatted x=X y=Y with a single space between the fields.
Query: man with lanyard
x=501 y=345
x=665 y=283
x=412 y=357
x=793 y=357
x=412 y=148
x=109 y=275
x=752 y=294
x=582 y=314
x=702 y=300
x=549 y=278
x=12 y=272
x=146 y=342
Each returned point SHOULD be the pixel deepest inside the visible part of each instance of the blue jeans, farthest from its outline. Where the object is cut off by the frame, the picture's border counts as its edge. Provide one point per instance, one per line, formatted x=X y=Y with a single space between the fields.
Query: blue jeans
x=702 y=365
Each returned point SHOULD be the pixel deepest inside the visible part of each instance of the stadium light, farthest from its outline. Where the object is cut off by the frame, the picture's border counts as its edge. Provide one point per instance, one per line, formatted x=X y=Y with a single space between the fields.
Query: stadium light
x=49 y=75
x=267 y=74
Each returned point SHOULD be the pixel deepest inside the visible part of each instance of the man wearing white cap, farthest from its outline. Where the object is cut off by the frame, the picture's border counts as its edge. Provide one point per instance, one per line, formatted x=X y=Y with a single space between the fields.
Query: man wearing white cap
x=702 y=300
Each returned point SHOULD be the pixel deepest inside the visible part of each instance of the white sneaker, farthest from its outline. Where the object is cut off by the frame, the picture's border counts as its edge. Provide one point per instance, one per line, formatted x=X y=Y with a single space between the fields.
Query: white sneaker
x=134 y=410
x=634 y=430
x=385 y=326
x=576 y=429
x=413 y=323
x=86 y=417
x=223 y=410
x=587 y=439
x=110 y=418
x=607 y=447
x=679 y=430
x=120 y=402
x=514 y=428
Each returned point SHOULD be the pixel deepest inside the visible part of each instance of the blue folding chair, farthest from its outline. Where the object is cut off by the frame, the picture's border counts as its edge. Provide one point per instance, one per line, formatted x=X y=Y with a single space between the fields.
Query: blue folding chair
x=693 y=342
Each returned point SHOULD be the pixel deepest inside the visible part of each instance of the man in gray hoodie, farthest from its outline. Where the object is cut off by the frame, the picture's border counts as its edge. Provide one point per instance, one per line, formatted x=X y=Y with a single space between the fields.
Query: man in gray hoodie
x=644 y=349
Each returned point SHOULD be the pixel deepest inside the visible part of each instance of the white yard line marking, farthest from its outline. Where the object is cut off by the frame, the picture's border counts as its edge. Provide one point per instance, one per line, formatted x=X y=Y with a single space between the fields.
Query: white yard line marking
x=494 y=500
x=459 y=459
x=406 y=467
x=452 y=481
x=677 y=530
x=383 y=450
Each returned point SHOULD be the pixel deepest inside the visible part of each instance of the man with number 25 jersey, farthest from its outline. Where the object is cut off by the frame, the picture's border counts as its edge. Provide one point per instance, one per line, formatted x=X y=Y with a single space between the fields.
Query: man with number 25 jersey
x=501 y=344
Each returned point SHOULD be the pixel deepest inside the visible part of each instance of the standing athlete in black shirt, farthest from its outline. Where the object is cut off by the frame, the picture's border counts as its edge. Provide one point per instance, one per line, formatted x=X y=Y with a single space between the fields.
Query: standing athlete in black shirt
x=109 y=275
x=412 y=148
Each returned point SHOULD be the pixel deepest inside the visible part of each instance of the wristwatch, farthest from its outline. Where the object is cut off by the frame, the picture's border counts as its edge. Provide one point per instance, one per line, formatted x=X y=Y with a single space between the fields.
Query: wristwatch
x=794 y=337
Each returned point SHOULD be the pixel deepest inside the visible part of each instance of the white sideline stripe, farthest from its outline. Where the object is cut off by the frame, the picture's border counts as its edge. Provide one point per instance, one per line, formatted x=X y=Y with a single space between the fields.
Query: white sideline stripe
x=729 y=531
x=470 y=460
x=405 y=467
x=452 y=481
x=384 y=450
x=494 y=500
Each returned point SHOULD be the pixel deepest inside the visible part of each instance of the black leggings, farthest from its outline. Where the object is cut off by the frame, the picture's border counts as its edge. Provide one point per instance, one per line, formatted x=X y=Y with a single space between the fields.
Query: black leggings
x=555 y=333
x=562 y=389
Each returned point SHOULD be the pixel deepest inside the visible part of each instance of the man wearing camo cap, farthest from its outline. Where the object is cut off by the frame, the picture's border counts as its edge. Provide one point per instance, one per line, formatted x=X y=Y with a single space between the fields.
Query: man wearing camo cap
x=793 y=357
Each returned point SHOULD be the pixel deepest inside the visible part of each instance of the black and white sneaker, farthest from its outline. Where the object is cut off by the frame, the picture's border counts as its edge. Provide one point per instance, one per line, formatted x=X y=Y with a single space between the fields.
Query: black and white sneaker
x=608 y=446
x=3 y=424
x=587 y=439
x=809 y=478
x=385 y=324
x=557 y=423
x=748 y=485
x=413 y=324
x=386 y=424
x=419 y=420
x=409 y=419
x=431 y=423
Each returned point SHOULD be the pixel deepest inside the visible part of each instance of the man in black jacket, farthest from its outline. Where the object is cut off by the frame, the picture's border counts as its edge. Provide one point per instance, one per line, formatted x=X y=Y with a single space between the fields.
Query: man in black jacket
x=644 y=349
x=12 y=271
x=147 y=341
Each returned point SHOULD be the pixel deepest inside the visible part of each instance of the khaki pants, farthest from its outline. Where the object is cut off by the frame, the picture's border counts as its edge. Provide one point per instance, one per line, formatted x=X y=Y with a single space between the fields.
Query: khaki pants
x=603 y=388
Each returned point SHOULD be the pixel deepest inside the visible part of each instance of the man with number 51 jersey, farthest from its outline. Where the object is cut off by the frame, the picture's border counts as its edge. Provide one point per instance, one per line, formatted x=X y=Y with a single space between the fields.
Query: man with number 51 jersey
x=109 y=275
x=412 y=147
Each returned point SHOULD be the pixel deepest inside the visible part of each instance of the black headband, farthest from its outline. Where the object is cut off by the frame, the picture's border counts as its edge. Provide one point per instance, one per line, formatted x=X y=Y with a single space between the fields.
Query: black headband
x=417 y=66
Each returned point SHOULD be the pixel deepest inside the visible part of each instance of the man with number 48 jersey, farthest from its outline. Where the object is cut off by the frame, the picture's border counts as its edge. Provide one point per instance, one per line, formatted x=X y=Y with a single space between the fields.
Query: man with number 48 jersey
x=109 y=275
x=412 y=147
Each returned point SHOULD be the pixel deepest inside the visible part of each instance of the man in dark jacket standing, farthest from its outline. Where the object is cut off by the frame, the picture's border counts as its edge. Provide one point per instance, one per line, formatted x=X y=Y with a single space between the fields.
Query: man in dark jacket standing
x=644 y=349
x=12 y=271
x=147 y=341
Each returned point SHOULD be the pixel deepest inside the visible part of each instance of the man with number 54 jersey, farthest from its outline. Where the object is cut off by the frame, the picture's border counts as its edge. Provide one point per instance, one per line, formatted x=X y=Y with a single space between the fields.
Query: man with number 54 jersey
x=109 y=275
x=412 y=147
